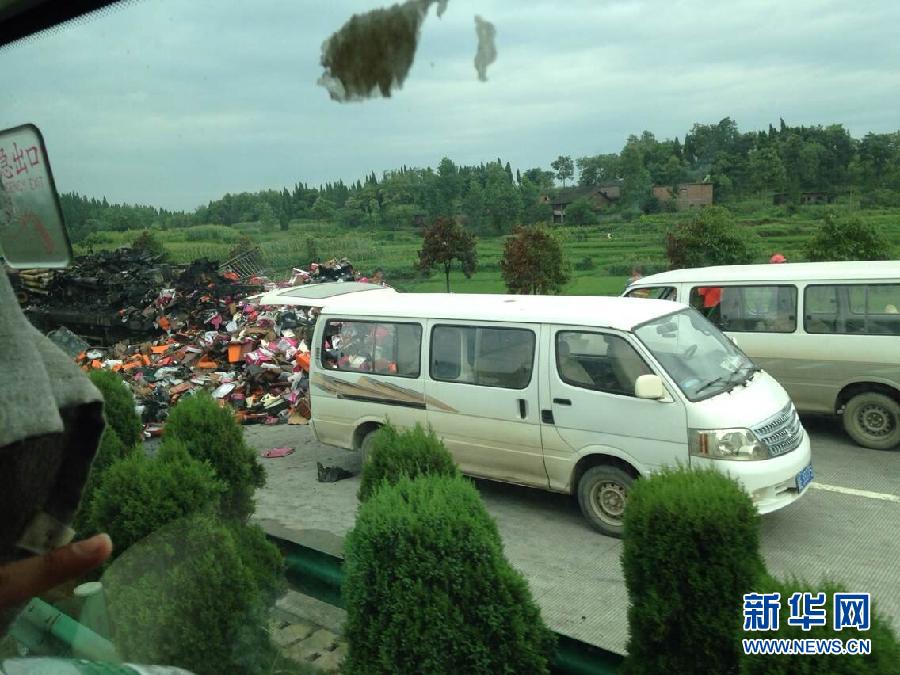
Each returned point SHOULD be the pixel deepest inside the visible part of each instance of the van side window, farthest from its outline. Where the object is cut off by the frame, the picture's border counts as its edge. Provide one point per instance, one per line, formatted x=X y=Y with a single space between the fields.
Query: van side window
x=599 y=362
x=852 y=309
x=488 y=357
x=748 y=309
x=380 y=348
x=654 y=292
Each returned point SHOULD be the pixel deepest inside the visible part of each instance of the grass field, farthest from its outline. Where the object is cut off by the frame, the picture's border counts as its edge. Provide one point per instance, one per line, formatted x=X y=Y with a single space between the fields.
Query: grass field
x=637 y=242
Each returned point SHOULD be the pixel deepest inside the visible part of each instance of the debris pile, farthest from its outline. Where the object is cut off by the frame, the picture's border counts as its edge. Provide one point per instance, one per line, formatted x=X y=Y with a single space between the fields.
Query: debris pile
x=123 y=280
x=254 y=358
x=333 y=270
x=128 y=292
x=191 y=328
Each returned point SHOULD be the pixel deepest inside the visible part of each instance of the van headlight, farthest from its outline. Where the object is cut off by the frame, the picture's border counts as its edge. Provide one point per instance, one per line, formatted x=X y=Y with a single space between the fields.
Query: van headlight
x=737 y=444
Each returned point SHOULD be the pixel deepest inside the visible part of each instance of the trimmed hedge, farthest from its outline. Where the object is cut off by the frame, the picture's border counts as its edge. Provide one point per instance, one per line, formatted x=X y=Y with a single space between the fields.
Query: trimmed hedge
x=110 y=450
x=428 y=589
x=118 y=406
x=138 y=495
x=884 y=659
x=691 y=551
x=196 y=594
x=210 y=433
x=408 y=453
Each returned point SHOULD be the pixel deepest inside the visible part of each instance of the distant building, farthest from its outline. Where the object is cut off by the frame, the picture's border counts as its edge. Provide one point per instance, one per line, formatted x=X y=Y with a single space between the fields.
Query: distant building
x=689 y=195
x=601 y=196
x=805 y=198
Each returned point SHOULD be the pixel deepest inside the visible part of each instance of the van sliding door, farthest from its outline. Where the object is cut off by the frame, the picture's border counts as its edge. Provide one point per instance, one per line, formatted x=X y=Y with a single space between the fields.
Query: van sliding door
x=482 y=398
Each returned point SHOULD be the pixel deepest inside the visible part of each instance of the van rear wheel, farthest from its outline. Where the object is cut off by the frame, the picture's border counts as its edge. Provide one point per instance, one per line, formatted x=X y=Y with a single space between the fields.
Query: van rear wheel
x=873 y=421
x=602 y=495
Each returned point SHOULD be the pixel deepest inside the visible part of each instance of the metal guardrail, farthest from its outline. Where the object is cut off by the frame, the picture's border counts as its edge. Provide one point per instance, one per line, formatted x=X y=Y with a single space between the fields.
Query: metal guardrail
x=320 y=575
x=43 y=629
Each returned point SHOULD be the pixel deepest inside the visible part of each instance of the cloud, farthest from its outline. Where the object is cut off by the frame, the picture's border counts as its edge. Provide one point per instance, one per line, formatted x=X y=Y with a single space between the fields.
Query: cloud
x=175 y=102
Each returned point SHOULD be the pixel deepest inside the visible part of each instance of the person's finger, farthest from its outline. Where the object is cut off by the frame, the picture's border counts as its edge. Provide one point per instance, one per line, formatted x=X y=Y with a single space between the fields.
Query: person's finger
x=25 y=579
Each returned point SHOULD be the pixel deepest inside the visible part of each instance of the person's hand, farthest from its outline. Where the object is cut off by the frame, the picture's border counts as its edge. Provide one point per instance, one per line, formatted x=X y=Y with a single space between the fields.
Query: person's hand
x=24 y=579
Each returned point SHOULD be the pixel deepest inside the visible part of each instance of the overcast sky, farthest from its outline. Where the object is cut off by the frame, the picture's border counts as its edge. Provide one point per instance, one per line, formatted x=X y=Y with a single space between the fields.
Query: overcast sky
x=175 y=102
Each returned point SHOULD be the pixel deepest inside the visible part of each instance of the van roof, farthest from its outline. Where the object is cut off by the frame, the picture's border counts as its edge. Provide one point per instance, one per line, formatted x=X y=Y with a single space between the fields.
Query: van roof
x=855 y=270
x=599 y=311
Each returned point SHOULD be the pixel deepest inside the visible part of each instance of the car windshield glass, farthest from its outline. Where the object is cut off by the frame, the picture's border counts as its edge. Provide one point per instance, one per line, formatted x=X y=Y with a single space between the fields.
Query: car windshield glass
x=286 y=221
x=701 y=360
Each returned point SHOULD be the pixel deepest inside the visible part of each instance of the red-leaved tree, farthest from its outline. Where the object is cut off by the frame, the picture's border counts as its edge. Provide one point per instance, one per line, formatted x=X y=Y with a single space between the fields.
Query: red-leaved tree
x=444 y=242
x=533 y=262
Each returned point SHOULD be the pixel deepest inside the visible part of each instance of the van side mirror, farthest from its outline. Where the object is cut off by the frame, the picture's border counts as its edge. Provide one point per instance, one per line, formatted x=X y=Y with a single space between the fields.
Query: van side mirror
x=649 y=387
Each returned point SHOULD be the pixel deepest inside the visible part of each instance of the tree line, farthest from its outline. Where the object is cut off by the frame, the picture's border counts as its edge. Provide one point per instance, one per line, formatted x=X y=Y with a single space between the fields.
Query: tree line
x=492 y=199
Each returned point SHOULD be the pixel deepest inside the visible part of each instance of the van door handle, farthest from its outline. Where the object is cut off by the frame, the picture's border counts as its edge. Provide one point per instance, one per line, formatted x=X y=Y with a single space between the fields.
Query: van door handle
x=547 y=417
x=522 y=409
x=562 y=401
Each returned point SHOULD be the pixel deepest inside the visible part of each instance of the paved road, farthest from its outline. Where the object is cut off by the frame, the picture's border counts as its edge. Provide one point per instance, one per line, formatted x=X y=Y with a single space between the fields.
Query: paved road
x=845 y=528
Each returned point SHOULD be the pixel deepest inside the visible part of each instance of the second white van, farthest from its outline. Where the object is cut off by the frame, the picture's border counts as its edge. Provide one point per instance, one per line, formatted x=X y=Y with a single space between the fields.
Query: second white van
x=579 y=395
x=828 y=332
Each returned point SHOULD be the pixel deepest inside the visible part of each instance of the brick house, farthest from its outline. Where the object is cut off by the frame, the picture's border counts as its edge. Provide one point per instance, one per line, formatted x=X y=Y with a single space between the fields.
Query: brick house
x=601 y=196
x=690 y=195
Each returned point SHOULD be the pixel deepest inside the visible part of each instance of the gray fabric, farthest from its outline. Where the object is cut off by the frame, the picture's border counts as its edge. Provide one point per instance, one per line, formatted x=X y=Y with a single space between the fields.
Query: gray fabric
x=51 y=418
x=36 y=378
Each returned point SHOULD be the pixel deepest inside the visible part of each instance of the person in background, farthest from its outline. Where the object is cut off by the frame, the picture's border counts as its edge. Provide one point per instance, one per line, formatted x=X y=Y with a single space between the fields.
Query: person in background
x=636 y=274
x=378 y=277
x=777 y=258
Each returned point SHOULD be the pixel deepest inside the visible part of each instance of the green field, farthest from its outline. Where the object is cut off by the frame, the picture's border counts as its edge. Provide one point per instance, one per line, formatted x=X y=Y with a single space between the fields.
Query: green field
x=640 y=241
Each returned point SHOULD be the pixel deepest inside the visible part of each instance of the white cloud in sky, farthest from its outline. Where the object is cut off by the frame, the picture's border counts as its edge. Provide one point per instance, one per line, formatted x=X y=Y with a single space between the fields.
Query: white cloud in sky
x=175 y=102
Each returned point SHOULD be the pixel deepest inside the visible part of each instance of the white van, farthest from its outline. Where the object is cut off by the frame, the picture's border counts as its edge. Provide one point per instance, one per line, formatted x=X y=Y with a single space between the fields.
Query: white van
x=828 y=332
x=580 y=395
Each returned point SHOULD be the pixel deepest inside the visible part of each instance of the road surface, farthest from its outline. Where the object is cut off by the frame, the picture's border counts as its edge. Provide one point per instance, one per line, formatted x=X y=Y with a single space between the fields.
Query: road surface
x=845 y=528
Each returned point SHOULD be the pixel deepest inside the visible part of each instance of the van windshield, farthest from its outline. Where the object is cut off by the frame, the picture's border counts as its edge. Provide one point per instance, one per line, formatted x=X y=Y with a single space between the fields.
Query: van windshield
x=701 y=360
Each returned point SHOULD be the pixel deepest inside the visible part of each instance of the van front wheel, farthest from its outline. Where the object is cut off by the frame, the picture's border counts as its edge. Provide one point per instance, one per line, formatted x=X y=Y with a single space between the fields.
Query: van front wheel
x=873 y=421
x=602 y=494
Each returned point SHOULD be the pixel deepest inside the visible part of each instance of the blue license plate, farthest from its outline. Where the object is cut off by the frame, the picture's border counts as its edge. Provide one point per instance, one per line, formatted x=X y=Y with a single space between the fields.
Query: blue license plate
x=804 y=478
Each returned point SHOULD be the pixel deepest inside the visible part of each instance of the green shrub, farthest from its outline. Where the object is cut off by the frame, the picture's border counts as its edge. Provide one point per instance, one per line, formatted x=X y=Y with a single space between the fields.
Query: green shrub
x=884 y=659
x=211 y=434
x=428 y=589
x=581 y=212
x=139 y=494
x=118 y=406
x=881 y=197
x=403 y=453
x=261 y=558
x=848 y=238
x=110 y=450
x=710 y=236
x=194 y=595
x=147 y=241
x=585 y=264
x=691 y=551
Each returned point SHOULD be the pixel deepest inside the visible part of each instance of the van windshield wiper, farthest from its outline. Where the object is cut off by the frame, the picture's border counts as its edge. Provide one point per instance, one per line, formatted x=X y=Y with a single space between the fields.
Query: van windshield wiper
x=750 y=368
x=707 y=385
